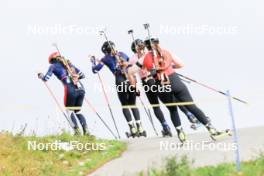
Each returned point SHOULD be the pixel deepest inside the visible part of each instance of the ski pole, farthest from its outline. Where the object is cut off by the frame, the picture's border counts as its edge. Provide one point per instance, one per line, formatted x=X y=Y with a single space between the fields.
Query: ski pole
x=105 y=124
x=108 y=104
x=92 y=58
x=149 y=116
x=57 y=48
x=57 y=102
x=146 y=26
x=211 y=88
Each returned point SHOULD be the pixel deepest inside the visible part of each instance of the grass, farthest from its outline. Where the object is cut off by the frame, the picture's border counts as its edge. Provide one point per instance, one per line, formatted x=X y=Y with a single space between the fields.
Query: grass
x=183 y=167
x=17 y=160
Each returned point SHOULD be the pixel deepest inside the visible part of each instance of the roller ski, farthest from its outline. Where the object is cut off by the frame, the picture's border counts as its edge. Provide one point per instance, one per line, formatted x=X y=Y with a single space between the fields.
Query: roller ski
x=216 y=135
x=221 y=134
x=133 y=131
x=166 y=131
x=181 y=135
x=140 y=130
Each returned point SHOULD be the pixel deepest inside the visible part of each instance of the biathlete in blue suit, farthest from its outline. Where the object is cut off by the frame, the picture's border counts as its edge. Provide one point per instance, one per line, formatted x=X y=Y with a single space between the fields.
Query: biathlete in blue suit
x=73 y=94
x=126 y=96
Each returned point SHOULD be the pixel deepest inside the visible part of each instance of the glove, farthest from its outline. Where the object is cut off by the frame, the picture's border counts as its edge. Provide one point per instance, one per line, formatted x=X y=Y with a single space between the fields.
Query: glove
x=40 y=75
x=93 y=60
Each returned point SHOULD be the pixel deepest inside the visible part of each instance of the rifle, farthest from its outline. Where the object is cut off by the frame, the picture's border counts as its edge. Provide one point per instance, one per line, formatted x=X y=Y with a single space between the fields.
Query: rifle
x=120 y=60
x=161 y=75
x=69 y=68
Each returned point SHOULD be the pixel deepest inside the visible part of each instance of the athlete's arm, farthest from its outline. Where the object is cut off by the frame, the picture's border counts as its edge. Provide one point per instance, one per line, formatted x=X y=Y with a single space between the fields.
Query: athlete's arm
x=49 y=73
x=135 y=68
x=124 y=56
x=97 y=67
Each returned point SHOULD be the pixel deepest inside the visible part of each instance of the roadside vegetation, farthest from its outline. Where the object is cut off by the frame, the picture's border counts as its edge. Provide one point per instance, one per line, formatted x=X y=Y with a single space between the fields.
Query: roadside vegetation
x=182 y=166
x=17 y=159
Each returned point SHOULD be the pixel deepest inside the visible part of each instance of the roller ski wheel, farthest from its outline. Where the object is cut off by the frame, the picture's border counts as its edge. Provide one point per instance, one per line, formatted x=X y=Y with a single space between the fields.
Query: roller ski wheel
x=221 y=134
x=129 y=135
x=144 y=134
x=140 y=130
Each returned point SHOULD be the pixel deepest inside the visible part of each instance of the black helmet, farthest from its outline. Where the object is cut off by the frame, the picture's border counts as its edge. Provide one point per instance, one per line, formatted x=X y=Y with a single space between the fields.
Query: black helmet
x=107 y=47
x=153 y=40
x=139 y=43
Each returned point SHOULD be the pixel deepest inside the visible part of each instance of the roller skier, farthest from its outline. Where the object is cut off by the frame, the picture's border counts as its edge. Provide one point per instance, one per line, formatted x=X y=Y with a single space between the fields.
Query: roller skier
x=160 y=62
x=117 y=63
x=138 y=47
x=74 y=91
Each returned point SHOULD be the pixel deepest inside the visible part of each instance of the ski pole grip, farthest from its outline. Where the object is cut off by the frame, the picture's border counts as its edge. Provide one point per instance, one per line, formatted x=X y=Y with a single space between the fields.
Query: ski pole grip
x=146 y=26
x=93 y=60
x=130 y=31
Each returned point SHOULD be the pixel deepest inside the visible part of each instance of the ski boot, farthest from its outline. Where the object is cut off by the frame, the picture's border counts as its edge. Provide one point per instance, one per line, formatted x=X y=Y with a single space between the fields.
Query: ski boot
x=77 y=132
x=215 y=134
x=133 y=131
x=208 y=118
x=86 y=131
x=195 y=124
x=181 y=134
x=140 y=130
x=166 y=130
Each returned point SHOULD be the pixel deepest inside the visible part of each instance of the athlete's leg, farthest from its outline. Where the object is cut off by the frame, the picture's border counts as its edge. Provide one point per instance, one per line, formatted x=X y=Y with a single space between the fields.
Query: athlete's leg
x=167 y=97
x=152 y=95
x=188 y=114
x=182 y=93
x=123 y=96
x=69 y=102
x=132 y=101
x=79 y=101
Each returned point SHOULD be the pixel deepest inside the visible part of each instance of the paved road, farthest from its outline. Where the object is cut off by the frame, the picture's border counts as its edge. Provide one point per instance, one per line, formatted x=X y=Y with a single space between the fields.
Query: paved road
x=143 y=153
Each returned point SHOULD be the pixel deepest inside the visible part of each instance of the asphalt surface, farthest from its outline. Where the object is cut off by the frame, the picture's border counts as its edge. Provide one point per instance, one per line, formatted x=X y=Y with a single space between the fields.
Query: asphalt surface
x=144 y=153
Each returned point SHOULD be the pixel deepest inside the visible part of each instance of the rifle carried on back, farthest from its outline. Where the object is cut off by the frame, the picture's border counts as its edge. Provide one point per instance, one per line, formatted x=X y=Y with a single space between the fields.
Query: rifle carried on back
x=159 y=66
x=120 y=60
x=69 y=68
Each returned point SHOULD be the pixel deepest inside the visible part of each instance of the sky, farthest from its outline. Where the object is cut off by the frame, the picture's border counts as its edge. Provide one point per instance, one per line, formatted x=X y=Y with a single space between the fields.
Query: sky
x=220 y=42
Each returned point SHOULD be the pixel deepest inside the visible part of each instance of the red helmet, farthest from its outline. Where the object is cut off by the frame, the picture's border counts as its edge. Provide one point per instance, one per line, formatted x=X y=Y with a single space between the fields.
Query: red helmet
x=53 y=55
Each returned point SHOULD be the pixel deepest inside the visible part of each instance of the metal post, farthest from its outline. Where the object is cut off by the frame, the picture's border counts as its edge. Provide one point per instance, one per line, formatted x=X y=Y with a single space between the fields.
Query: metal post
x=234 y=132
